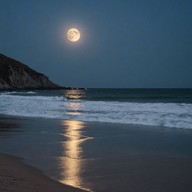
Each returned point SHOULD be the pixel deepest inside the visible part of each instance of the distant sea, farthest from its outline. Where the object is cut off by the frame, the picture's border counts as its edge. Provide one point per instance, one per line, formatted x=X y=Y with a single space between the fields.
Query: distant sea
x=157 y=107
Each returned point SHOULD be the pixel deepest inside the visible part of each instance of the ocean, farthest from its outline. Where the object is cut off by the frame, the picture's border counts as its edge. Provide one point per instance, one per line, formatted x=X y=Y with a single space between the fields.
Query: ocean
x=156 y=107
x=103 y=139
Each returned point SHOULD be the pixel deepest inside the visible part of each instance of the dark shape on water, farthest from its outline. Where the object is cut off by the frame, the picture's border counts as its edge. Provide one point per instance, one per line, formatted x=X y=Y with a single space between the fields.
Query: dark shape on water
x=15 y=75
x=9 y=125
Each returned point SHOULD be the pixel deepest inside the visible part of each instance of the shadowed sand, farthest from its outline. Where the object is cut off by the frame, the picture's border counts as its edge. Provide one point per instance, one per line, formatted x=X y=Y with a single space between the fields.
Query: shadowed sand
x=15 y=176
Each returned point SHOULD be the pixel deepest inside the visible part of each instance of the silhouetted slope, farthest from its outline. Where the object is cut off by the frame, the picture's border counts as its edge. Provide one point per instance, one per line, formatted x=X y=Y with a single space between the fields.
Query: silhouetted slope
x=16 y=75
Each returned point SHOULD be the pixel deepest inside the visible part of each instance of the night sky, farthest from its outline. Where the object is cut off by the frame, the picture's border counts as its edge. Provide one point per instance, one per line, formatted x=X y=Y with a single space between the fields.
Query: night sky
x=124 y=43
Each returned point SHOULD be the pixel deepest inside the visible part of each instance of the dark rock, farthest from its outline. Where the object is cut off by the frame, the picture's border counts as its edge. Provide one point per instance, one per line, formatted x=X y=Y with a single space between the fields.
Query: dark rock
x=14 y=75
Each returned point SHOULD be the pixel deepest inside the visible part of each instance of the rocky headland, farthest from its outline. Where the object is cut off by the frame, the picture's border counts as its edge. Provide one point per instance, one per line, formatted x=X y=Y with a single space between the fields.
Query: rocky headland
x=15 y=75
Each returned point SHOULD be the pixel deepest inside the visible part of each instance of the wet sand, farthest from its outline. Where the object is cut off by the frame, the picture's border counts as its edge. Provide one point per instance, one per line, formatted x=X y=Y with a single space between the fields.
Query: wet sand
x=101 y=157
x=16 y=176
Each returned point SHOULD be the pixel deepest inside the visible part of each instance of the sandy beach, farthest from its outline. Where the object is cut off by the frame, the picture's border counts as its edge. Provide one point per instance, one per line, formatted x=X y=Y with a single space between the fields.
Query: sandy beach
x=16 y=176
x=99 y=157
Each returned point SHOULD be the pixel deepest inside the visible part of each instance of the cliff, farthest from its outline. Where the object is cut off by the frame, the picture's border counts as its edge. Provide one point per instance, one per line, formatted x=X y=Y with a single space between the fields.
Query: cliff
x=14 y=75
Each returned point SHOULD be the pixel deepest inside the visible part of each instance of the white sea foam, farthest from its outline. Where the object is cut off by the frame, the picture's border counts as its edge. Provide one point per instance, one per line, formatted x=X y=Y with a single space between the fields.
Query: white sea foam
x=18 y=93
x=31 y=92
x=160 y=114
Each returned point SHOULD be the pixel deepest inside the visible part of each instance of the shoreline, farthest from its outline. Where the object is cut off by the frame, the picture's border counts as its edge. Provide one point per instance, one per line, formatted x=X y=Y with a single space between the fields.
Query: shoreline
x=87 y=154
x=137 y=126
x=17 y=176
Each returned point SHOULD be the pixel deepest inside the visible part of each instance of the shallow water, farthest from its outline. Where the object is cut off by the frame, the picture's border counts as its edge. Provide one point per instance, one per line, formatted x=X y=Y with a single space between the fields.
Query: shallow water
x=102 y=156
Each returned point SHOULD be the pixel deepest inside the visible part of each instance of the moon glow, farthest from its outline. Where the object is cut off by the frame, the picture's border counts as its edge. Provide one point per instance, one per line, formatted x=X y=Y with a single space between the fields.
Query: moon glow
x=73 y=35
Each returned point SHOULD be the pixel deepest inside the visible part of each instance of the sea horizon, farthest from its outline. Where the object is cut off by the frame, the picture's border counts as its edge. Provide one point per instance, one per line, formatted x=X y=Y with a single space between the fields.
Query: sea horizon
x=102 y=139
x=158 y=107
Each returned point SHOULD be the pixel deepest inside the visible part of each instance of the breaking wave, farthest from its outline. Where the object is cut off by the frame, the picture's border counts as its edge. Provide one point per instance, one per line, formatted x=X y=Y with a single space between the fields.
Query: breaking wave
x=30 y=104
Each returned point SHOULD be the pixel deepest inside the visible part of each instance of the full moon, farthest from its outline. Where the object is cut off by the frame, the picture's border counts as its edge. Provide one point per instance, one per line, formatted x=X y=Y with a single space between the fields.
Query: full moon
x=73 y=35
